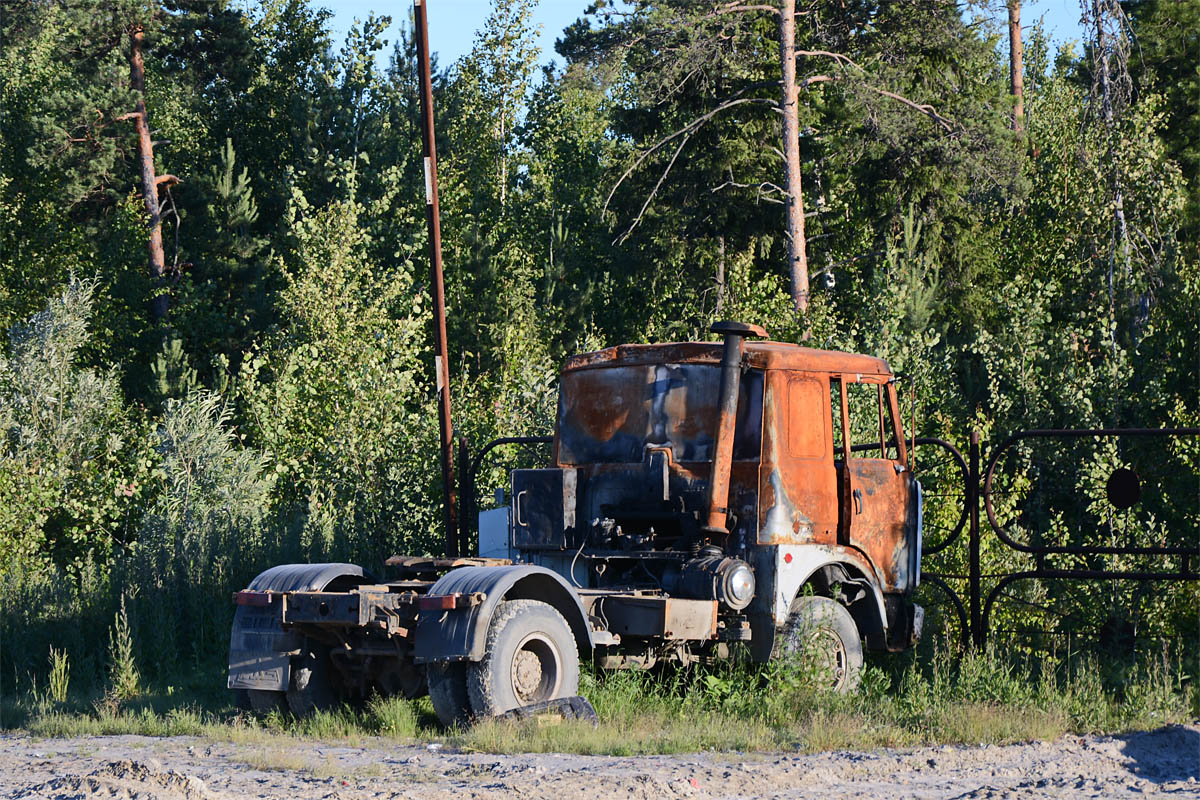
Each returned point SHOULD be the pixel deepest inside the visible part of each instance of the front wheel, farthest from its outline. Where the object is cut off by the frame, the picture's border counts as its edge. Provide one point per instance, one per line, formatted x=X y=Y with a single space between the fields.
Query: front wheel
x=821 y=631
x=531 y=656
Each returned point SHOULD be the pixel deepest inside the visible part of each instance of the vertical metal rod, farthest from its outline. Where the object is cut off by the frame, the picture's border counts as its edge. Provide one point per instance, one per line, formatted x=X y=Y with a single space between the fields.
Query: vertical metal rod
x=974 y=578
x=433 y=220
x=717 y=519
x=467 y=502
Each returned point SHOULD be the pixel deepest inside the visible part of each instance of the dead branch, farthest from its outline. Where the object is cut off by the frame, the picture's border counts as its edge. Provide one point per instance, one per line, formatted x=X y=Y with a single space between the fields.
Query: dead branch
x=924 y=108
x=839 y=57
x=620 y=239
x=686 y=130
x=761 y=190
x=809 y=81
x=738 y=7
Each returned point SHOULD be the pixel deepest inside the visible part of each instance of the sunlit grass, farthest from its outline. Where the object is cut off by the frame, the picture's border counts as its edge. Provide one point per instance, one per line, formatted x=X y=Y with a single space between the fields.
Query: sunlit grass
x=976 y=699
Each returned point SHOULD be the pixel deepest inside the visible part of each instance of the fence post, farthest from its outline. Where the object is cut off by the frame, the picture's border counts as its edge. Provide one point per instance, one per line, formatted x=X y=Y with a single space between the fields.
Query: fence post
x=974 y=577
x=467 y=518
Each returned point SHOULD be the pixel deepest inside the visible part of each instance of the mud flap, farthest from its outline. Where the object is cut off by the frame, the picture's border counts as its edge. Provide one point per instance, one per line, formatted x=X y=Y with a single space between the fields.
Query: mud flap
x=259 y=650
x=567 y=707
x=258 y=671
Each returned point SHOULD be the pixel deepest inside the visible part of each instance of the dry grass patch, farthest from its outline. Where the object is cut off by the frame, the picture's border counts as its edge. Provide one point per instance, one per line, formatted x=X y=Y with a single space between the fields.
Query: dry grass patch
x=980 y=723
x=836 y=730
x=621 y=735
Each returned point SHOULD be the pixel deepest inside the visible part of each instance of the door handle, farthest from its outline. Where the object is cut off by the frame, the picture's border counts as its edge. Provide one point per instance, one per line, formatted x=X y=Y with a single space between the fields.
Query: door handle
x=858 y=501
x=517 y=507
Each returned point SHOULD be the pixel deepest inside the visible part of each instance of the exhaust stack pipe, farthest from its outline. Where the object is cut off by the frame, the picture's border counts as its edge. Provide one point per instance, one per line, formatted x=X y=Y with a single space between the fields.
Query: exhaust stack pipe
x=717 y=523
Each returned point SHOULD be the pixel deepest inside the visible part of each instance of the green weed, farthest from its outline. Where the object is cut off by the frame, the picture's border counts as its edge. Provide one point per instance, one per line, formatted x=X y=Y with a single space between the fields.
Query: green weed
x=60 y=675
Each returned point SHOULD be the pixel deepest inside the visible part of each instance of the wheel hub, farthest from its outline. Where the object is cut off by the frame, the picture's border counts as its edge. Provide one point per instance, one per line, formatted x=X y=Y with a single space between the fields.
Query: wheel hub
x=829 y=652
x=535 y=670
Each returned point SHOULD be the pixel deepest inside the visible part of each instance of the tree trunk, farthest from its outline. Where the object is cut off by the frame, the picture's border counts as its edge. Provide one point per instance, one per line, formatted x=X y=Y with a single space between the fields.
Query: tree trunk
x=1120 y=236
x=797 y=255
x=137 y=79
x=720 y=275
x=1016 y=65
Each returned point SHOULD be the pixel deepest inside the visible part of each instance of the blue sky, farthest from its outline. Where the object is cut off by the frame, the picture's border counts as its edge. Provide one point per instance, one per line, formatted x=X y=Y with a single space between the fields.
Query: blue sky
x=452 y=23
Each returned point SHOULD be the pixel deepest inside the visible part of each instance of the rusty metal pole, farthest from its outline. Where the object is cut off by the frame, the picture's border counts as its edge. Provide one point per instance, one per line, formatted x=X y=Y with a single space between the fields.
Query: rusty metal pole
x=973 y=576
x=731 y=378
x=433 y=220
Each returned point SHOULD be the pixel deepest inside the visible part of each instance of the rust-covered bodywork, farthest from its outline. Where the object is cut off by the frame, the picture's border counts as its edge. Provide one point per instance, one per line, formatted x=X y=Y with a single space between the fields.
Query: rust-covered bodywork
x=816 y=477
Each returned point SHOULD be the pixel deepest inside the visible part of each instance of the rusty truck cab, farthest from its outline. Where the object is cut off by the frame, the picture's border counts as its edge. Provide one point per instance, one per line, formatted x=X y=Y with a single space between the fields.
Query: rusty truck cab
x=835 y=491
x=820 y=494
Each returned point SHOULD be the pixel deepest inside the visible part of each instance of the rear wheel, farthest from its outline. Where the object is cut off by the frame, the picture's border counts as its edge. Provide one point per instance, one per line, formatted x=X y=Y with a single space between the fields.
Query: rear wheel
x=531 y=656
x=448 y=693
x=821 y=631
x=312 y=687
x=264 y=701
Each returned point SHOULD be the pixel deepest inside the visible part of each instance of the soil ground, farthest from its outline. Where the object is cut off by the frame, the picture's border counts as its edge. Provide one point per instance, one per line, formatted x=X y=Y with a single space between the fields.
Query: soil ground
x=1164 y=763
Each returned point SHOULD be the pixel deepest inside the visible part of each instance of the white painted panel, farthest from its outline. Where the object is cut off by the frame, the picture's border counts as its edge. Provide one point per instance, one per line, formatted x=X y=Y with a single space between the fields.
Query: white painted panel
x=493 y=533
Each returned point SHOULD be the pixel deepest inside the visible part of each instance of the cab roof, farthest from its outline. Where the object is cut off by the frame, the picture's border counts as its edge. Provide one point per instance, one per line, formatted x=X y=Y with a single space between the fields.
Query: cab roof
x=759 y=354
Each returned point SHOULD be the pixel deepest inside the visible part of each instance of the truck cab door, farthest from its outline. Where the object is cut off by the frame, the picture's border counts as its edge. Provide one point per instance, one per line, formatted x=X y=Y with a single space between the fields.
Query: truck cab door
x=876 y=491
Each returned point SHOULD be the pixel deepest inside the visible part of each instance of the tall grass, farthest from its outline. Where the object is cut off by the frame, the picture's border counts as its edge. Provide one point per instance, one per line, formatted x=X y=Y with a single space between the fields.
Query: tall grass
x=977 y=698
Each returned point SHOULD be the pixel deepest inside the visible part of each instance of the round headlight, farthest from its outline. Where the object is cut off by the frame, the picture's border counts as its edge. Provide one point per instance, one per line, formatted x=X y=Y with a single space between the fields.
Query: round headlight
x=740 y=584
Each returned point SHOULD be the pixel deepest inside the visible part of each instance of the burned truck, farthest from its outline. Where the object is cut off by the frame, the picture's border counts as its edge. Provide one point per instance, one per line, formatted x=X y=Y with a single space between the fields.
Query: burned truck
x=702 y=498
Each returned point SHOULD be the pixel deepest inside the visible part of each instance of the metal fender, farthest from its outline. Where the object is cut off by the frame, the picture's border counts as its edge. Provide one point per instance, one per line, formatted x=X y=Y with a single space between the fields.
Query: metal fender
x=460 y=634
x=792 y=565
x=258 y=648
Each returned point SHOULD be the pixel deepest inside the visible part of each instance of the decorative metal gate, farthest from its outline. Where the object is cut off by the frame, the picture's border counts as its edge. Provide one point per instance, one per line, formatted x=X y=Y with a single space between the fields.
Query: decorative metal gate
x=1065 y=507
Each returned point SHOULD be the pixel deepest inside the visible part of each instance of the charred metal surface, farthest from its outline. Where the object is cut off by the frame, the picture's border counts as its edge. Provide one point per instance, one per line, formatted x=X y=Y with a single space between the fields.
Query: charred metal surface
x=658 y=616
x=797 y=482
x=760 y=355
x=612 y=415
x=425 y=570
x=882 y=497
x=543 y=507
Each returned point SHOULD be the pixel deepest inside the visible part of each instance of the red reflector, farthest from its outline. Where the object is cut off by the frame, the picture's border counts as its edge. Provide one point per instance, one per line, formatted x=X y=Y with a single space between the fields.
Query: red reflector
x=787 y=558
x=248 y=598
x=437 y=602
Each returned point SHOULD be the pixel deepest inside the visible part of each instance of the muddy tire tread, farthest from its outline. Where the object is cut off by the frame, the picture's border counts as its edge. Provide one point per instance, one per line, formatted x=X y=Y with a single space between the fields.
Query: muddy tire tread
x=481 y=675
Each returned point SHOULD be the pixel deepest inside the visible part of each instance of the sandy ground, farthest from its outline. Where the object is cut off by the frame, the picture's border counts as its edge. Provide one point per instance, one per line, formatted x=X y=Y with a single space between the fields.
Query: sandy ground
x=1161 y=763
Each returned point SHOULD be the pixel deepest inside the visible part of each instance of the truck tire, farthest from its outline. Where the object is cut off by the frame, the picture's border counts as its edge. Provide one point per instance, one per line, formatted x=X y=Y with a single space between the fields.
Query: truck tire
x=448 y=693
x=530 y=657
x=312 y=688
x=822 y=629
x=264 y=701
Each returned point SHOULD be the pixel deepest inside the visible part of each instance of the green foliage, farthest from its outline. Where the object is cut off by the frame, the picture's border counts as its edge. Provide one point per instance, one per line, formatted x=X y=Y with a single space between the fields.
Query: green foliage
x=339 y=400
x=73 y=463
x=60 y=675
